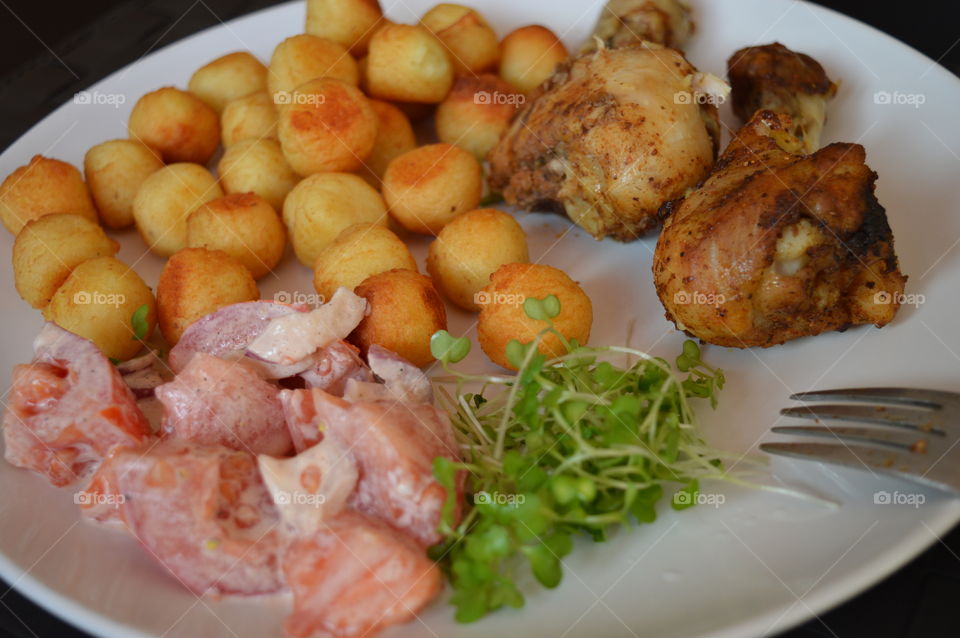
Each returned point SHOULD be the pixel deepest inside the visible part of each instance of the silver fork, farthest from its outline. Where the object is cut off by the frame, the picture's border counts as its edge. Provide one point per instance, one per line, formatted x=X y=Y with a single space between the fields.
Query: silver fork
x=916 y=437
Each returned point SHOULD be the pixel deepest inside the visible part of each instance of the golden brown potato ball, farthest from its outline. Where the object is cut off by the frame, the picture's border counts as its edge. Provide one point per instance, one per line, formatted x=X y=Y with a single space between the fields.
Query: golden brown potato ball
x=115 y=170
x=304 y=57
x=49 y=247
x=502 y=317
x=42 y=187
x=529 y=55
x=349 y=23
x=177 y=123
x=194 y=283
x=427 y=187
x=395 y=137
x=358 y=252
x=165 y=199
x=470 y=41
x=327 y=126
x=477 y=112
x=244 y=226
x=404 y=312
x=227 y=78
x=321 y=206
x=409 y=64
x=469 y=249
x=252 y=116
x=257 y=166
x=97 y=302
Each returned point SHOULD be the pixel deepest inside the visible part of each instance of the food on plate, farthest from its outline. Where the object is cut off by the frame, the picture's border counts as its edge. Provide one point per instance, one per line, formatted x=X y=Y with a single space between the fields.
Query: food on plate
x=337 y=364
x=612 y=136
x=349 y=23
x=177 y=123
x=213 y=401
x=504 y=316
x=164 y=201
x=257 y=166
x=476 y=112
x=326 y=125
x=98 y=301
x=321 y=206
x=471 y=248
x=202 y=512
x=304 y=57
x=358 y=252
x=470 y=41
x=775 y=78
x=408 y=64
x=244 y=226
x=49 y=247
x=42 y=187
x=115 y=170
x=628 y=22
x=529 y=55
x=400 y=293
x=227 y=78
x=394 y=137
x=252 y=116
x=68 y=409
x=195 y=282
x=427 y=187
x=777 y=244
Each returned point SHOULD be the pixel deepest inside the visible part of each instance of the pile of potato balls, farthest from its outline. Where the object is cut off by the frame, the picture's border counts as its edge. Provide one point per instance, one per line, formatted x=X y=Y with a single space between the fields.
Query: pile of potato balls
x=318 y=147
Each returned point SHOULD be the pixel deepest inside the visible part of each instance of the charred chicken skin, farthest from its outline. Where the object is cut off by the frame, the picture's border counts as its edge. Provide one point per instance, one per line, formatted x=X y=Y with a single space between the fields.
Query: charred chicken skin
x=621 y=22
x=778 y=244
x=609 y=138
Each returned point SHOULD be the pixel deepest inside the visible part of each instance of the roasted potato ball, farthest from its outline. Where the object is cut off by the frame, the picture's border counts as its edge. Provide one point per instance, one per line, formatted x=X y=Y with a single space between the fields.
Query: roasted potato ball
x=404 y=312
x=469 y=249
x=529 y=55
x=252 y=116
x=409 y=64
x=502 y=317
x=244 y=226
x=304 y=57
x=194 y=283
x=115 y=170
x=427 y=187
x=42 y=187
x=227 y=78
x=328 y=125
x=49 y=247
x=395 y=137
x=358 y=252
x=349 y=23
x=471 y=42
x=477 y=112
x=257 y=166
x=165 y=199
x=321 y=206
x=97 y=302
x=177 y=123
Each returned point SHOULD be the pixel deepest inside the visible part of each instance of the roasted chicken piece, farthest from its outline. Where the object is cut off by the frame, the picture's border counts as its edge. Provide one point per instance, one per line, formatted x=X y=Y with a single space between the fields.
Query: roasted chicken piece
x=665 y=22
x=609 y=138
x=777 y=244
x=774 y=78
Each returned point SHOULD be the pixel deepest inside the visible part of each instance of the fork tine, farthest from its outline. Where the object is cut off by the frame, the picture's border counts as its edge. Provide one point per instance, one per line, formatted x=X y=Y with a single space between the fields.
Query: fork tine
x=906 y=396
x=918 y=419
x=905 y=441
x=901 y=464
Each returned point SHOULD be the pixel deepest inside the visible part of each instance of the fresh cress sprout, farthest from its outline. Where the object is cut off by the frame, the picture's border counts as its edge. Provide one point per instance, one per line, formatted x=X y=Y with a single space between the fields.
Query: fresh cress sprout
x=569 y=445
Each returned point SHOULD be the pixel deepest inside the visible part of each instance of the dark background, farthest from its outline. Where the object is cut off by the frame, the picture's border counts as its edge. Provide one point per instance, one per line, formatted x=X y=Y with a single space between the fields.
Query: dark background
x=95 y=37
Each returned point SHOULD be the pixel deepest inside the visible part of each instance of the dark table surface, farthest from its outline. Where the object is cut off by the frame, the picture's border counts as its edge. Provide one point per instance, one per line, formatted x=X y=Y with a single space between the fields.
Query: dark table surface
x=49 y=51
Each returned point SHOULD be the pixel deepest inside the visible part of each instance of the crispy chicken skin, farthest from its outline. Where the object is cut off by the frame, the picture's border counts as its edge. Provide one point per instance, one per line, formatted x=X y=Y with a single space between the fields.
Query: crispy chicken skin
x=609 y=138
x=775 y=78
x=621 y=22
x=777 y=245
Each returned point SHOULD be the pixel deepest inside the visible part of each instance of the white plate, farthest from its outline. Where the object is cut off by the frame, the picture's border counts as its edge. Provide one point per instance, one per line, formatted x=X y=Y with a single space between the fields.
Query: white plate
x=756 y=564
